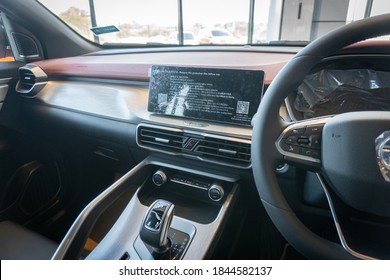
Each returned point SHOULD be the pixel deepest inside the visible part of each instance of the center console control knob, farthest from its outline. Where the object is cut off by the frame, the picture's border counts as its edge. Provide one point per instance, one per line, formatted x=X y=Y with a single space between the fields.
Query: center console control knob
x=216 y=192
x=159 y=178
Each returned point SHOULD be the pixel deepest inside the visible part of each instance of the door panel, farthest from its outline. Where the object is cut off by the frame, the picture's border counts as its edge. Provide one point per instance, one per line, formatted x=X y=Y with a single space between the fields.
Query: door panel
x=30 y=170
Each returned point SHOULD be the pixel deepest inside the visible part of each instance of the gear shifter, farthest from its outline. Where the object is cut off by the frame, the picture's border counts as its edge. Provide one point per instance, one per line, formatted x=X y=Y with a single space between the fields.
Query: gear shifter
x=155 y=226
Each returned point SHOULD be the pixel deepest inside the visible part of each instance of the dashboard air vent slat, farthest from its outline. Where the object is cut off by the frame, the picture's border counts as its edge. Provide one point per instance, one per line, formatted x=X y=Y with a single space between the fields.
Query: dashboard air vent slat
x=225 y=149
x=168 y=139
x=212 y=148
x=27 y=79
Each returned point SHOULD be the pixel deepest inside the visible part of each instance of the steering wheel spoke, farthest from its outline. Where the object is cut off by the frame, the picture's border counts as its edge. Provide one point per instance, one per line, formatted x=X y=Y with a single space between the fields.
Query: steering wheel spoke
x=361 y=234
x=300 y=143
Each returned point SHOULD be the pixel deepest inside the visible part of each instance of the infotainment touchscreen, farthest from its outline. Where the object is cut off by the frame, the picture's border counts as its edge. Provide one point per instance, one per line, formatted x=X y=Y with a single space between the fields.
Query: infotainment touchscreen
x=221 y=95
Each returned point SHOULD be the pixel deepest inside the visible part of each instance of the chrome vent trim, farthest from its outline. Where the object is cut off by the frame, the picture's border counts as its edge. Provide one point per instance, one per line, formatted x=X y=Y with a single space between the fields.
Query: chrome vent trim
x=228 y=151
x=225 y=149
x=31 y=80
x=173 y=140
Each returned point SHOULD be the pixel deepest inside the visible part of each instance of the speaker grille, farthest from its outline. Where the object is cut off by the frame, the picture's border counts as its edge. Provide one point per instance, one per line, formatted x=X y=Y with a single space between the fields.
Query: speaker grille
x=25 y=45
x=41 y=189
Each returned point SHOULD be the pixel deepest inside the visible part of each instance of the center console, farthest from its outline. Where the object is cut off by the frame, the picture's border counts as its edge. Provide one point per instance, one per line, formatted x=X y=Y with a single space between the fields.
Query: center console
x=176 y=213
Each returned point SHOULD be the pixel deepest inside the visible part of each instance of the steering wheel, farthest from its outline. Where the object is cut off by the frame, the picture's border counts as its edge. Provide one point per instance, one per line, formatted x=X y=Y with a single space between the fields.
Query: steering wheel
x=348 y=152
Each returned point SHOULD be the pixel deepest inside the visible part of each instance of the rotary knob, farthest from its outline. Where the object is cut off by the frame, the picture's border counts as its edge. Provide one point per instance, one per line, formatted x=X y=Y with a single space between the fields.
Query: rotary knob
x=216 y=192
x=159 y=178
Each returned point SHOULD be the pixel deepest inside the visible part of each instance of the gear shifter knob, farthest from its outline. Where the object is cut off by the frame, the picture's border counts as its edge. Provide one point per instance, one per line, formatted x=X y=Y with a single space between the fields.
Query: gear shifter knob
x=154 y=227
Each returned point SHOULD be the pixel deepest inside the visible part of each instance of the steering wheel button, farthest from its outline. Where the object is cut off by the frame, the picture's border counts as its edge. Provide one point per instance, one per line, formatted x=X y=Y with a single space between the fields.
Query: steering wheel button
x=313 y=130
x=291 y=148
x=292 y=140
x=303 y=141
x=296 y=131
x=315 y=141
x=310 y=153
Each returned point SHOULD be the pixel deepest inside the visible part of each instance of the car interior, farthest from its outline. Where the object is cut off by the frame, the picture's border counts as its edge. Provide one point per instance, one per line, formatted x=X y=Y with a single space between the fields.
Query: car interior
x=167 y=151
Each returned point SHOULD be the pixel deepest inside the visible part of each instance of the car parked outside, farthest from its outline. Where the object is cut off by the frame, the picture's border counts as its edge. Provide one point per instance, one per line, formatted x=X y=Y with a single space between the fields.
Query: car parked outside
x=215 y=36
x=188 y=38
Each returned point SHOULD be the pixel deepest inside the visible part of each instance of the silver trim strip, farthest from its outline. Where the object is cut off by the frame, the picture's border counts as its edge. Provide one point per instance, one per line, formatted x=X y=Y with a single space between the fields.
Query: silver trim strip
x=338 y=227
x=125 y=101
x=29 y=56
x=162 y=140
x=3 y=92
x=227 y=151
x=215 y=176
x=189 y=185
x=121 y=100
x=290 y=110
x=5 y=81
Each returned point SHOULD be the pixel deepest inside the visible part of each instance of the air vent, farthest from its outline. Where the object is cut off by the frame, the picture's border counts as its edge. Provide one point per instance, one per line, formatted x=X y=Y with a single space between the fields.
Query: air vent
x=166 y=140
x=31 y=80
x=212 y=148
x=27 y=79
x=221 y=149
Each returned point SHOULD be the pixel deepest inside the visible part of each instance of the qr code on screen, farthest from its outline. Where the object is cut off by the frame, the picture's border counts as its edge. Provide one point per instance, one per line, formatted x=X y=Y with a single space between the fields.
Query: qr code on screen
x=243 y=107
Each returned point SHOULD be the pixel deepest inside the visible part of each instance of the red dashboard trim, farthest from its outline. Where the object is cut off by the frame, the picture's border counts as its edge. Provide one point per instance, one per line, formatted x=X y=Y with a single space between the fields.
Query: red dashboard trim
x=135 y=67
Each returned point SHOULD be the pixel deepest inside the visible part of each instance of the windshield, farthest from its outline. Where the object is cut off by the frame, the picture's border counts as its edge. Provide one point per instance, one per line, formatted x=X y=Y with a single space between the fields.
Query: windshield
x=198 y=22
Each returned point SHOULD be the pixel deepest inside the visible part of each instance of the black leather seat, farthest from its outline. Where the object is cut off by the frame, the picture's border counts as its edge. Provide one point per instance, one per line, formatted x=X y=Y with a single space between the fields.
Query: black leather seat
x=20 y=243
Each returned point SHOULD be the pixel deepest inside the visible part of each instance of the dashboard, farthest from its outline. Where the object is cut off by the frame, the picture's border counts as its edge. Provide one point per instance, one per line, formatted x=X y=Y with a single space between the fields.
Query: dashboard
x=114 y=85
x=120 y=98
x=96 y=138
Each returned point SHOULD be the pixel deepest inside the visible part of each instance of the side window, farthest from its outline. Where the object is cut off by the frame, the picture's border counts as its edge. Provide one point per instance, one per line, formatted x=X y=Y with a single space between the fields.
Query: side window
x=6 y=54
